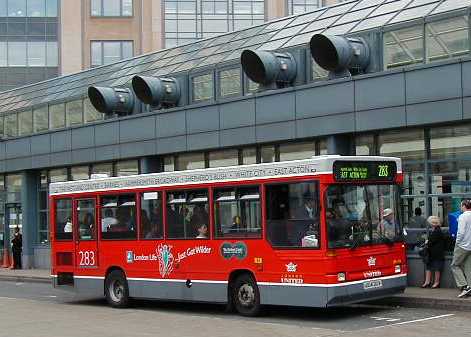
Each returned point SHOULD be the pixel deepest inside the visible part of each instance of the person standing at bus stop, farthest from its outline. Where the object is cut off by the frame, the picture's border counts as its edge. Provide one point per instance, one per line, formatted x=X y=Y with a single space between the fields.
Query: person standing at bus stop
x=17 y=246
x=461 y=264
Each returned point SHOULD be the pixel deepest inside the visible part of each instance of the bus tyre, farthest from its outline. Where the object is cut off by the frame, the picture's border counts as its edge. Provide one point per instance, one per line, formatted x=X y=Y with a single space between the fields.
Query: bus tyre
x=116 y=289
x=245 y=296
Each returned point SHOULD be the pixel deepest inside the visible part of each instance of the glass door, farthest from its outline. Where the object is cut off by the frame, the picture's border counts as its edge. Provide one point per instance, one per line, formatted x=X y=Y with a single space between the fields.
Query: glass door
x=86 y=233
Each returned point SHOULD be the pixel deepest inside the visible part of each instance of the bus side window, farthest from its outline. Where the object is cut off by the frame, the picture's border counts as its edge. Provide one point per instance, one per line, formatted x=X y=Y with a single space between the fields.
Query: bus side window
x=63 y=219
x=293 y=214
x=118 y=216
x=187 y=214
x=237 y=212
x=151 y=215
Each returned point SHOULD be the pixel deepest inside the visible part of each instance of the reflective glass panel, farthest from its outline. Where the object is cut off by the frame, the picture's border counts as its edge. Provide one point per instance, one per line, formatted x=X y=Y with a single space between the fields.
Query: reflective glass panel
x=447 y=38
x=403 y=47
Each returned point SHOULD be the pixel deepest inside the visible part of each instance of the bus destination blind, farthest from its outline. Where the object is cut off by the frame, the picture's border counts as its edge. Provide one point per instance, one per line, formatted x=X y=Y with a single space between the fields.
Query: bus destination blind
x=364 y=170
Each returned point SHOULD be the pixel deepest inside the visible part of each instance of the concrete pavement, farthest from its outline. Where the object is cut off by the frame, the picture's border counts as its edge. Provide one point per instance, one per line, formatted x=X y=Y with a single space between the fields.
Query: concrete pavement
x=413 y=297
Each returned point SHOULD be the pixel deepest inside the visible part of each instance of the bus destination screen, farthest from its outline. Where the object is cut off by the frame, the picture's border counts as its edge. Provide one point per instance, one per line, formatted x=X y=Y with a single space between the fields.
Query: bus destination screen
x=364 y=170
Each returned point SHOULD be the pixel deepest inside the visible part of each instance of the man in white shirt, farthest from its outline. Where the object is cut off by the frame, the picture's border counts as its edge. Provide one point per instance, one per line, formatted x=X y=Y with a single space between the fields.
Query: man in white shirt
x=461 y=264
x=108 y=221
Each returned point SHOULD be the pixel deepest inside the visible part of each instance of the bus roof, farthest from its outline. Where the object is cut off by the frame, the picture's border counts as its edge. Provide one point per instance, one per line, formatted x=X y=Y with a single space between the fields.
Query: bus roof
x=314 y=165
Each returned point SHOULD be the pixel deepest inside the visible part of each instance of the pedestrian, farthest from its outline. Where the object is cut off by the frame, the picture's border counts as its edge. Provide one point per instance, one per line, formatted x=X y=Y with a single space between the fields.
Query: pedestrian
x=461 y=264
x=435 y=257
x=17 y=245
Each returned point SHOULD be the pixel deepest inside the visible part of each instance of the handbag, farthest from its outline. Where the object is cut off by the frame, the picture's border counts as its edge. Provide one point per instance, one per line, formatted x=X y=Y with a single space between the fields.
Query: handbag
x=424 y=252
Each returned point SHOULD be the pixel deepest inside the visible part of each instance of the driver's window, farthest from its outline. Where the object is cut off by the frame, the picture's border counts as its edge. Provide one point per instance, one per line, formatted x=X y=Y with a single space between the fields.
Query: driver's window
x=293 y=214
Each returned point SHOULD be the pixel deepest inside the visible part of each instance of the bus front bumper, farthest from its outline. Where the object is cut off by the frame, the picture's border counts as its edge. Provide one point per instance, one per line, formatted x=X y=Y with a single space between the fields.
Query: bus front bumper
x=330 y=295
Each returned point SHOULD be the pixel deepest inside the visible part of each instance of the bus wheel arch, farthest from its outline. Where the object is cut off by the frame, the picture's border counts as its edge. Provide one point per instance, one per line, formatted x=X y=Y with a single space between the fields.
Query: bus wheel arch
x=116 y=287
x=243 y=293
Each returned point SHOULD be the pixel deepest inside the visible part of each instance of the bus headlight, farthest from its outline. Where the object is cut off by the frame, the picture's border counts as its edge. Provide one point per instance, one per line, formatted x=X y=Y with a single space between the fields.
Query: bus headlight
x=341 y=277
x=397 y=268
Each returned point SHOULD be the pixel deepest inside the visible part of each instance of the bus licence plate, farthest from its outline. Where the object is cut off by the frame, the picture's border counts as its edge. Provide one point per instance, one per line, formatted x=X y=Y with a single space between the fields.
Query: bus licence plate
x=372 y=284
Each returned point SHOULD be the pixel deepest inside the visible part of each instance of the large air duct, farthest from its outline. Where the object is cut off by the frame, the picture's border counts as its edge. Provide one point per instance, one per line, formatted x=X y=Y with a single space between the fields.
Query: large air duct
x=111 y=100
x=156 y=91
x=340 y=55
x=267 y=68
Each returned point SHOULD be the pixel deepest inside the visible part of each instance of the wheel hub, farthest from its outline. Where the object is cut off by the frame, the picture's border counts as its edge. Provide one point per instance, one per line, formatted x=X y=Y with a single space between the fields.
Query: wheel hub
x=246 y=295
x=117 y=291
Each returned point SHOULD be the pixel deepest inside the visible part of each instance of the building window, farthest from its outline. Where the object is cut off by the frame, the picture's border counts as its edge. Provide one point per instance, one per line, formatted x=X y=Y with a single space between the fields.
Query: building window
x=405 y=144
x=74 y=113
x=447 y=38
x=230 y=82
x=43 y=209
x=202 y=87
x=29 y=54
x=190 y=20
x=249 y=156
x=2 y=133
x=297 y=151
x=224 y=158
x=127 y=168
x=111 y=8
x=25 y=122
x=318 y=73
x=404 y=47
x=190 y=161
x=11 y=125
x=57 y=116
x=301 y=6
x=79 y=173
x=267 y=154
x=90 y=113
x=450 y=142
x=29 y=8
x=41 y=119
x=103 y=168
x=58 y=175
x=169 y=164
x=106 y=52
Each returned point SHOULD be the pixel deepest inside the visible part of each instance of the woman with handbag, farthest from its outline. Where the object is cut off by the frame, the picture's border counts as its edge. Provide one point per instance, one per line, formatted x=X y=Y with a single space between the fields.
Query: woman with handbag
x=435 y=255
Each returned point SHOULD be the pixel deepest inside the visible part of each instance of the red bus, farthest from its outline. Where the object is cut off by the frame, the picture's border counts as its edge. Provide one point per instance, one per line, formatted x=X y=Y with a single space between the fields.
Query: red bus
x=319 y=232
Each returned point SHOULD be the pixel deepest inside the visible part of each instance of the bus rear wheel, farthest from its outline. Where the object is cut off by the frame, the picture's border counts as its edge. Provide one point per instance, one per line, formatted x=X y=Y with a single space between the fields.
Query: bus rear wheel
x=245 y=296
x=116 y=289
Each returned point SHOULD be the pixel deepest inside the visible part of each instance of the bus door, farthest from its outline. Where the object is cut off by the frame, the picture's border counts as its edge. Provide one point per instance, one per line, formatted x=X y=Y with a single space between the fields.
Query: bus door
x=86 y=244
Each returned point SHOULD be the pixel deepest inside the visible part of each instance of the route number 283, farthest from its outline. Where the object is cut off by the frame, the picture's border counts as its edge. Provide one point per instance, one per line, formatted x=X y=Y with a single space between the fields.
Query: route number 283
x=87 y=258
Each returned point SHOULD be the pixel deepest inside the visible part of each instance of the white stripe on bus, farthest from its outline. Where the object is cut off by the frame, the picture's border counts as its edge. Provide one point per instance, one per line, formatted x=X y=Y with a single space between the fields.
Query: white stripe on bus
x=323 y=285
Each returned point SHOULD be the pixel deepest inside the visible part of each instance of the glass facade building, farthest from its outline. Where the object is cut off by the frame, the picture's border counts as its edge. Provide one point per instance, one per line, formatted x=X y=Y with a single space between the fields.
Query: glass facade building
x=29 y=49
x=191 y=20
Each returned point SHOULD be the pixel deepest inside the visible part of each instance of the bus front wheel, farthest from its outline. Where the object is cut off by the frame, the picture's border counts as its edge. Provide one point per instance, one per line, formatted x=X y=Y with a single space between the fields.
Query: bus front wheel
x=245 y=295
x=116 y=289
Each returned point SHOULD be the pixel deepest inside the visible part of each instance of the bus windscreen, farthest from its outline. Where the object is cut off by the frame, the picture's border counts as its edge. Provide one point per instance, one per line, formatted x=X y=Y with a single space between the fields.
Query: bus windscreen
x=350 y=171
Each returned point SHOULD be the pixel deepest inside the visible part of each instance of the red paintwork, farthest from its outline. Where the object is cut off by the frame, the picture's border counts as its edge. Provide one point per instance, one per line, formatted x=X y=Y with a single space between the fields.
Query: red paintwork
x=313 y=266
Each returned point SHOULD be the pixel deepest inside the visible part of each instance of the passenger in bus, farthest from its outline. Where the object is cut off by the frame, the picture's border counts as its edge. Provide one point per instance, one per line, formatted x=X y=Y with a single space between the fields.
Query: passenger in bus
x=387 y=227
x=68 y=226
x=202 y=232
x=305 y=218
x=155 y=224
x=125 y=220
x=198 y=217
x=108 y=221
x=87 y=226
x=236 y=224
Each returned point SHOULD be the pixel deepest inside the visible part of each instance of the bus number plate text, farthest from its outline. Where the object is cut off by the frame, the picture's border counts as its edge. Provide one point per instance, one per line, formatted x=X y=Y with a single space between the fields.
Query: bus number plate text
x=87 y=258
x=372 y=284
